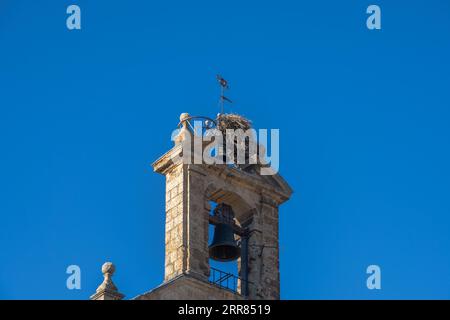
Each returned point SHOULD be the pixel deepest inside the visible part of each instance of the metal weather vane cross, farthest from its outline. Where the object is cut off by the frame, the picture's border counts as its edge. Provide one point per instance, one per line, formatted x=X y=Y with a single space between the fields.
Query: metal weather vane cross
x=223 y=86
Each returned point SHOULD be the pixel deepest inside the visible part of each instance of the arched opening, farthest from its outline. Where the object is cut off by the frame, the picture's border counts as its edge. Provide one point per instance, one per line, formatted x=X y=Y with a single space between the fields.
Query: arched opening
x=228 y=274
x=222 y=273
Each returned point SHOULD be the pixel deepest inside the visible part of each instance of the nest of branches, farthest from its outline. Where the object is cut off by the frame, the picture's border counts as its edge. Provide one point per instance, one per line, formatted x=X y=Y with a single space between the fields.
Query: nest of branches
x=235 y=122
x=232 y=121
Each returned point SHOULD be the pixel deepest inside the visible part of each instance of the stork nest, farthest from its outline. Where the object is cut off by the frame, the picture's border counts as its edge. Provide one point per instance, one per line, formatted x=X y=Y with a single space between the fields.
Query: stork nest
x=235 y=122
x=232 y=121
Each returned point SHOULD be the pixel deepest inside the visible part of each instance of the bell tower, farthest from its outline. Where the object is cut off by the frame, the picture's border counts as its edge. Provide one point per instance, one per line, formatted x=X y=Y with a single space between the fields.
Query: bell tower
x=245 y=220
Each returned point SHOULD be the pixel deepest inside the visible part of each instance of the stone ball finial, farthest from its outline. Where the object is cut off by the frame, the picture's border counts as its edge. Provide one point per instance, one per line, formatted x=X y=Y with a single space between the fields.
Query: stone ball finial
x=108 y=268
x=184 y=116
x=107 y=290
x=183 y=130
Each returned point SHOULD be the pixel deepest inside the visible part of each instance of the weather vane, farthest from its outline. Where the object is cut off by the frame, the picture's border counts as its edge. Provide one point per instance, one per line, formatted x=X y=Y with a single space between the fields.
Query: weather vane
x=223 y=85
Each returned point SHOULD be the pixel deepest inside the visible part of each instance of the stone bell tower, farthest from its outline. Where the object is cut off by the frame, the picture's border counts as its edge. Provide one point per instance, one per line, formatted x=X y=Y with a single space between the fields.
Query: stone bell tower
x=254 y=200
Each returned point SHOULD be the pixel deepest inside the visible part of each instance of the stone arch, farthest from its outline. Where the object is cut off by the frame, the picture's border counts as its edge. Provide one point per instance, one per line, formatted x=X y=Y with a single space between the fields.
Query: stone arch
x=221 y=194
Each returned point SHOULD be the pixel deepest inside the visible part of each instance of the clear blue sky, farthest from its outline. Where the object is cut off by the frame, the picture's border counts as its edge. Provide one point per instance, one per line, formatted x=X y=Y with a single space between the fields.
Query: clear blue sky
x=364 y=127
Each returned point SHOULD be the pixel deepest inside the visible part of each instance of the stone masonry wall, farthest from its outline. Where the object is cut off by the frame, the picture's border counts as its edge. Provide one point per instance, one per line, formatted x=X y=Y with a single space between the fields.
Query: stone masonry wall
x=174 y=258
x=186 y=223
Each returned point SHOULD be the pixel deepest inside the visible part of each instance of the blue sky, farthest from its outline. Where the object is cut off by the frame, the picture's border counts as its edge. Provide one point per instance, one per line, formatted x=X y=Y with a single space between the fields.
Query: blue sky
x=364 y=129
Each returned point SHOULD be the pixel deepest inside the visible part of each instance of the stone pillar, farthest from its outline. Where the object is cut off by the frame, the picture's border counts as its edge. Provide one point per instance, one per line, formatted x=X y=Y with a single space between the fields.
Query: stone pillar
x=254 y=267
x=186 y=236
x=197 y=211
x=270 y=251
x=175 y=262
x=263 y=251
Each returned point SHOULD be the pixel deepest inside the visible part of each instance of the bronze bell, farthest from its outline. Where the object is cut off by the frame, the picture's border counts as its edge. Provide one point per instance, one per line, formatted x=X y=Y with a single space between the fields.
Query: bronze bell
x=224 y=247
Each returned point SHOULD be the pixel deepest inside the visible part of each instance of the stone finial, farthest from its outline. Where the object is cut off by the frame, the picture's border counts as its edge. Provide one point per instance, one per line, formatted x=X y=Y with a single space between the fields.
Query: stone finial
x=183 y=117
x=184 y=128
x=107 y=290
